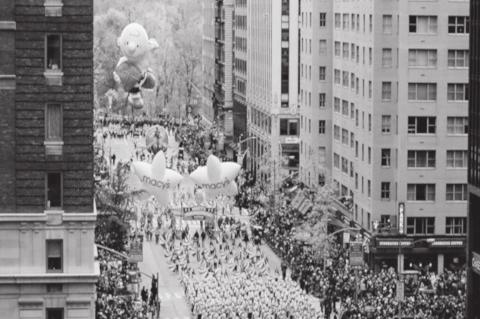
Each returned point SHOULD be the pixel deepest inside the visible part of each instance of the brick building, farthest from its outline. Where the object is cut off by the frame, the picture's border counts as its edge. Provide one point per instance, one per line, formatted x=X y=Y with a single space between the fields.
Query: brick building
x=47 y=212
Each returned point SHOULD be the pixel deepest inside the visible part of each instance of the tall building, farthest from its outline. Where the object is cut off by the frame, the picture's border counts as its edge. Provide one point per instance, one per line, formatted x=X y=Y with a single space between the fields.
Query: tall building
x=217 y=58
x=272 y=88
x=398 y=99
x=240 y=70
x=315 y=78
x=473 y=253
x=208 y=60
x=47 y=212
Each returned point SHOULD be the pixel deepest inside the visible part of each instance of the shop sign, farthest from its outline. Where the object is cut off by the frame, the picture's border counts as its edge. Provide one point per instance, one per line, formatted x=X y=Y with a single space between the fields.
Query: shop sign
x=292 y=140
x=448 y=243
x=394 y=243
x=135 y=254
x=401 y=217
x=476 y=262
x=356 y=254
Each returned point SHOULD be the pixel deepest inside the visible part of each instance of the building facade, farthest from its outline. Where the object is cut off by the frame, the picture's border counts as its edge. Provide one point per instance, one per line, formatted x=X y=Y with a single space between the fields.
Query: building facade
x=473 y=253
x=397 y=96
x=240 y=71
x=272 y=88
x=47 y=212
x=208 y=60
x=315 y=78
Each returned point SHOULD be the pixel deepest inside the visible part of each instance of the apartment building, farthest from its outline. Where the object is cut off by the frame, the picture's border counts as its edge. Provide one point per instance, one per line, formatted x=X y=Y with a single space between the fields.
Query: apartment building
x=47 y=212
x=399 y=124
x=208 y=60
x=315 y=78
x=240 y=71
x=473 y=242
x=272 y=88
x=217 y=63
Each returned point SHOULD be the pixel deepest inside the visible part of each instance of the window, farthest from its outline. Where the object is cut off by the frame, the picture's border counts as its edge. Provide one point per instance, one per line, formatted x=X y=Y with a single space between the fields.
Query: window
x=344 y=136
x=369 y=122
x=322 y=47
x=421 y=192
x=352 y=139
x=345 y=107
x=369 y=188
x=386 y=157
x=336 y=160
x=323 y=19
x=457 y=92
x=338 y=21
x=344 y=165
x=458 y=58
x=420 y=225
x=457 y=159
x=370 y=23
x=386 y=124
x=356 y=180
x=352 y=110
x=54 y=190
x=54 y=313
x=369 y=155
x=322 y=71
x=386 y=91
x=54 y=255
x=423 y=24
x=387 y=24
x=321 y=127
x=336 y=104
x=387 y=57
x=337 y=76
x=53 y=122
x=321 y=99
x=345 y=51
x=385 y=191
x=456 y=225
x=456 y=192
x=336 y=132
x=288 y=127
x=420 y=159
x=369 y=89
x=337 y=48
x=421 y=125
x=345 y=21
x=53 y=54
x=422 y=58
x=457 y=125
x=357 y=118
x=458 y=24
x=422 y=91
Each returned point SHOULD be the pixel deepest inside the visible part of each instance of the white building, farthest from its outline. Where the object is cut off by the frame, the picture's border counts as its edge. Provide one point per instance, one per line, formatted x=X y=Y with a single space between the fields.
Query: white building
x=399 y=114
x=272 y=87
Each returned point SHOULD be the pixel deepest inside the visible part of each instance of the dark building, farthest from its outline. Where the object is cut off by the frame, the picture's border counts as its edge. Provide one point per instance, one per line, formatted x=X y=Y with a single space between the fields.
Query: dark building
x=47 y=212
x=473 y=261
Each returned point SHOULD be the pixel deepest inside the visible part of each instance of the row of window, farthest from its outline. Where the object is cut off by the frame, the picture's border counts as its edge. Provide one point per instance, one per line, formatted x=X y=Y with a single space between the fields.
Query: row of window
x=306 y=98
x=306 y=45
x=321 y=125
x=261 y=120
x=428 y=91
x=426 y=192
x=306 y=19
x=348 y=79
x=241 y=22
x=241 y=44
x=427 y=158
x=350 y=50
x=306 y=72
x=426 y=225
x=418 y=24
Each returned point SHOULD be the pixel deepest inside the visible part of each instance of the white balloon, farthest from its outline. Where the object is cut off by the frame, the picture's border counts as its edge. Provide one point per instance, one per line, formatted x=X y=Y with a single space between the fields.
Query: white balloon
x=214 y=168
x=162 y=187
x=216 y=178
x=158 y=166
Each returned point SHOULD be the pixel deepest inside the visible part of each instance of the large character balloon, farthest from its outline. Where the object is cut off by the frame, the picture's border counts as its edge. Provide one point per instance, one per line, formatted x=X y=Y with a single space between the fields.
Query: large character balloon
x=217 y=178
x=132 y=71
x=157 y=179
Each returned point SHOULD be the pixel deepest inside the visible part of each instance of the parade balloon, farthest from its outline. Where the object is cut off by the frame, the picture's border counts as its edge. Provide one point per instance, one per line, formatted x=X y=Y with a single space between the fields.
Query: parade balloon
x=132 y=72
x=217 y=178
x=156 y=137
x=157 y=179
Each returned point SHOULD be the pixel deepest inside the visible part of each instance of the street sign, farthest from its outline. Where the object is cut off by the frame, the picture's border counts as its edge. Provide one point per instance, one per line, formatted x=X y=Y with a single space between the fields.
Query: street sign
x=135 y=253
x=356 y=254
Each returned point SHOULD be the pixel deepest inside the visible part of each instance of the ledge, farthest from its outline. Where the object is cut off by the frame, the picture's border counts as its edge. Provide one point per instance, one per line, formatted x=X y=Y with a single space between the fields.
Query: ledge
x=43 y=217
x=54 y=77
x=8 y=82
x=17 y=279
x=8 y=25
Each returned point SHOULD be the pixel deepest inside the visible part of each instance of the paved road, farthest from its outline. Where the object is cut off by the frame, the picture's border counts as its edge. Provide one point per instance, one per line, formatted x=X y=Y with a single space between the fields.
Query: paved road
x=172 y=296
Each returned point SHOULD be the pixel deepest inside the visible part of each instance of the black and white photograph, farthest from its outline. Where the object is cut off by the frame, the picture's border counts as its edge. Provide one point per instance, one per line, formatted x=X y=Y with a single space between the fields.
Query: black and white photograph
x=239 y=159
